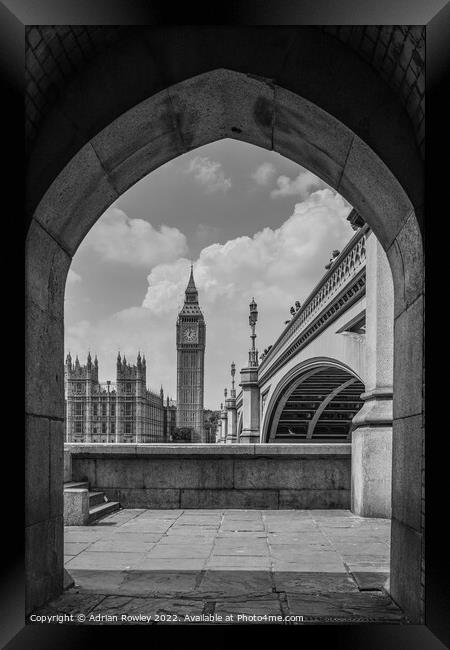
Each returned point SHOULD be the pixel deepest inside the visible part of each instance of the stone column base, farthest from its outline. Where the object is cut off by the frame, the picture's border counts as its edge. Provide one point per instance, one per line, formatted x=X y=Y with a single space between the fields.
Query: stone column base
x=372 y=471
x=249 y=437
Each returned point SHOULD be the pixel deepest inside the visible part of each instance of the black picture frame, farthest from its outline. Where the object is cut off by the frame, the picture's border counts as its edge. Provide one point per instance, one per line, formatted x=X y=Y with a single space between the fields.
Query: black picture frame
x=15 y=15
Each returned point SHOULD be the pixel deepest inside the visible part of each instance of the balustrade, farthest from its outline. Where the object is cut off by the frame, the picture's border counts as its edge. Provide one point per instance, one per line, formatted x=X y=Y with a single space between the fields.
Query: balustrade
x=346 y=266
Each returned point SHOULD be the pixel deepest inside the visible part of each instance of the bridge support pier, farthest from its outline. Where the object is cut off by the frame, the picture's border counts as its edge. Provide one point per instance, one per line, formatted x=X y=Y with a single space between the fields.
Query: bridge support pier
x=232 y=420
x=372 y=425
x=250 y=406
x=223 y=424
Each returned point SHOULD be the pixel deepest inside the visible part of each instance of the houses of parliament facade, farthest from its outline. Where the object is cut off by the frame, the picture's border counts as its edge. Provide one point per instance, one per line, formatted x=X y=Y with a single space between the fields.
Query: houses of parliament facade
x=126 y=411
x=122 y=411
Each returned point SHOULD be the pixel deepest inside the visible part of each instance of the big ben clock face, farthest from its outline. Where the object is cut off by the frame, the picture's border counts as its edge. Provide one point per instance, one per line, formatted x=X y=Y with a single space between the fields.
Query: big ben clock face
x=190 y=334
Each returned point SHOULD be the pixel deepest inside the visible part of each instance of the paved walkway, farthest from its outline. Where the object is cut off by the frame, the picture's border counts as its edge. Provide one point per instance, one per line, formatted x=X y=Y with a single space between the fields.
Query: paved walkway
x=219 y=565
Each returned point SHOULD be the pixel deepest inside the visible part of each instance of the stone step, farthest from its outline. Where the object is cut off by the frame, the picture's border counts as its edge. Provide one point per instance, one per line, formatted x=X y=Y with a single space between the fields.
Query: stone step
x=104 y=509
x=76 y=484
x=96 y=498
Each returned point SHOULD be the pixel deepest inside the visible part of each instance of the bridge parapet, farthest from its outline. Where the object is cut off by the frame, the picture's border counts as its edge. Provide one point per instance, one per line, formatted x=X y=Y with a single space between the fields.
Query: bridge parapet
x=346 y=268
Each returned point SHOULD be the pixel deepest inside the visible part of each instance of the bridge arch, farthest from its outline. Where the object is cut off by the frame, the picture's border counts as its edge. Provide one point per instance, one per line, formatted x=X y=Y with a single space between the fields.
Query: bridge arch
x=305 y=371
x=206 y=107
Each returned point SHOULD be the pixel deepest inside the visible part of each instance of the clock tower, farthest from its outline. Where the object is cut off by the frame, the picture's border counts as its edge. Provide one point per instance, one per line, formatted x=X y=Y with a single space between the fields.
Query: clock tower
x=191 y=339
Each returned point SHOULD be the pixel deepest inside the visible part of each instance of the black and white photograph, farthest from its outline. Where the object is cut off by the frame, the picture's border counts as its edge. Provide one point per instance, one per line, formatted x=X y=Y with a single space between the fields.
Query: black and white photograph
x=224 y=326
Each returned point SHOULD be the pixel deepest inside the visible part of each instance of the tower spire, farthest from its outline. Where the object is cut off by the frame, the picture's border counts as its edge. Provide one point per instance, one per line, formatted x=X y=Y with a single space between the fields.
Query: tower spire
x=191 y=290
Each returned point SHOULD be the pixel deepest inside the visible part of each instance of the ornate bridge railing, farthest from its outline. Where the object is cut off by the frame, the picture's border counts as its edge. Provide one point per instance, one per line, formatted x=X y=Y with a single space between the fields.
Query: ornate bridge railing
x=340 y=287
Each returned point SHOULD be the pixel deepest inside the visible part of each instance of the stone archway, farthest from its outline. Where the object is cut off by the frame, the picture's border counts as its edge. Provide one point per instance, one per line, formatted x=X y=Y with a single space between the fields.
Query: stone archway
x=199 y=110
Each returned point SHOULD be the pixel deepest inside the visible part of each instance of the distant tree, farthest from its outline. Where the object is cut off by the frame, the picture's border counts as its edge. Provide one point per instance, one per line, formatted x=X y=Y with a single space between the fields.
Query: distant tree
x=211 y=417
x=210 y=420
x=182 y=434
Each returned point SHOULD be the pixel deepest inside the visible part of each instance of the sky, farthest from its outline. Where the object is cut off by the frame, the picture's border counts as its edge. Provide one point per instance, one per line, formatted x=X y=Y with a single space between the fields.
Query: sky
x=254 y=224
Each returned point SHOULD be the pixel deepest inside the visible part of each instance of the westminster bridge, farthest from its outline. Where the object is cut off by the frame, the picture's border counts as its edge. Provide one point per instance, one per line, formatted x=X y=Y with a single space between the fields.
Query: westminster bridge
x=328 y=378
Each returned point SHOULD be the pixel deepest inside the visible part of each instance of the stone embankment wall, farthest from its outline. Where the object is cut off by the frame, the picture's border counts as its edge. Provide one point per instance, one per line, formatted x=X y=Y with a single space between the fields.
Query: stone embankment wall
x=217 y=476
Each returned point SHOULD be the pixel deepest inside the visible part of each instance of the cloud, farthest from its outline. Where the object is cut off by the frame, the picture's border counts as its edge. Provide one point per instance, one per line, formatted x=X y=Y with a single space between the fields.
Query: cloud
x=300 y=186
x=135 y=242
x=73 y=278
x=276 y=265
x=270 y=257
x=209 y=174
x=264 y=173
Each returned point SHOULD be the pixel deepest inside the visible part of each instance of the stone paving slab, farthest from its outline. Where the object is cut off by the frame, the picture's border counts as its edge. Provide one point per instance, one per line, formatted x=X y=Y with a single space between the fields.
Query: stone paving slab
x=203 y=512
x=159 y=583
x=98 y=580
x=326 y=562
x=234 y=562
x=170 y=564
x=119 y=544
x=209 y=520
x=123 y=536
x=240 y=551
x=147 y=525
x=331 y=514
x=231 y=582
x=314 y=582
x=368 y=567
x=106 y=561
x=158 y=514
x=72 y=602
x=241 y=534
x=356 y=532
x=355 y=548
x=257 y=607
x=193 y=537
x=73 y=548
x=126 y=515
x=370 y=580
x=373 y=606
x=169 y=610
x=299 y=526
x=192 y=529
x=178 y=551
x=316 y=548
x=295 y=539
x=243 y=526
x=82 y=535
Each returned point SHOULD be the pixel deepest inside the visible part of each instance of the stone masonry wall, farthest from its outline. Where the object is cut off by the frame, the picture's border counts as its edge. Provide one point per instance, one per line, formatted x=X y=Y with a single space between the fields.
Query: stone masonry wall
x=213 y=476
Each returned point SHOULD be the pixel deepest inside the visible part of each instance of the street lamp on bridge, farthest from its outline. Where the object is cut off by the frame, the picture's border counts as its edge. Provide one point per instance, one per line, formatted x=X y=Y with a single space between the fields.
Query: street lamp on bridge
x=252 y=319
